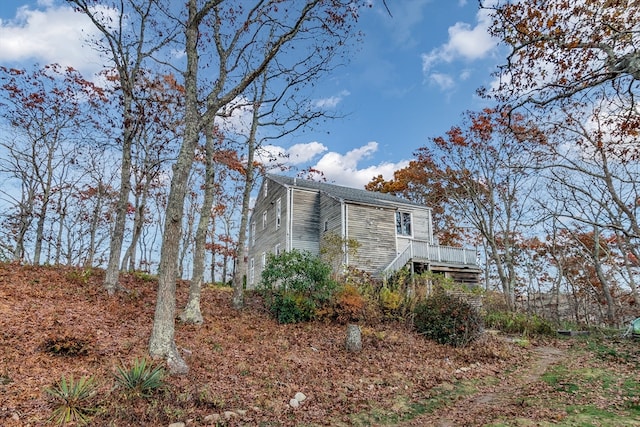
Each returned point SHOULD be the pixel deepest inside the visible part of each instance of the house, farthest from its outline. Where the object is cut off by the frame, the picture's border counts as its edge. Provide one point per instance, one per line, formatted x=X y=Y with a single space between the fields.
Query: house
x=293 y=213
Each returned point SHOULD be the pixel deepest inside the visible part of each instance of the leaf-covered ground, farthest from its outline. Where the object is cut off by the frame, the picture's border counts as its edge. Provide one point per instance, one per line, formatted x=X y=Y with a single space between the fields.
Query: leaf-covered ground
x=247 y=365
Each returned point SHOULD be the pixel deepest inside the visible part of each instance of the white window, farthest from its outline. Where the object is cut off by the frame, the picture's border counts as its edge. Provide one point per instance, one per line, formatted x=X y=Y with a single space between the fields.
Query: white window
x=264 y=259
x=264 y=193
x=252 y=271
x=403 y=223
x=264 y=220
x=326 y=226
x=276 y=250
x=253 y=233
x=278 y=213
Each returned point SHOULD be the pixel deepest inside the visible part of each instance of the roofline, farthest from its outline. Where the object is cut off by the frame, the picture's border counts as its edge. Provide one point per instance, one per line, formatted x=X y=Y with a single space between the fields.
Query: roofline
x=391 y=201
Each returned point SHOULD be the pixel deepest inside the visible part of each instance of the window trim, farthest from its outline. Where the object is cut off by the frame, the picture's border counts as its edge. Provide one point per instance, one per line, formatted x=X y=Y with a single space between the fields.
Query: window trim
x=253 y=233
x=278 y=213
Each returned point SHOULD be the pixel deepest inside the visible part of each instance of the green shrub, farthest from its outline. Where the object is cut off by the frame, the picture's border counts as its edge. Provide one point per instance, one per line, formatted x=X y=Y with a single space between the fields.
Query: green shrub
x=141 y=379
x=447 y=319
x=390 y=300
x=519 y=323
x=295 y=285
x=74 y=400
x=288 y=307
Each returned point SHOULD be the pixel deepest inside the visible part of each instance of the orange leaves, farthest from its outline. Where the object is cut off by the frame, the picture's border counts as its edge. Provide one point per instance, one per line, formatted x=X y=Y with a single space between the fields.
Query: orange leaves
x=571 y=43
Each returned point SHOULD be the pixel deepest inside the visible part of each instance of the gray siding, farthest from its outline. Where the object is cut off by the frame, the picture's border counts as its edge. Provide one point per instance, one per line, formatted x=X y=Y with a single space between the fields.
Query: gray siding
x=331 y=214
x=374 y=229
x=305 y=214
x=268 y=237
x=421 y=223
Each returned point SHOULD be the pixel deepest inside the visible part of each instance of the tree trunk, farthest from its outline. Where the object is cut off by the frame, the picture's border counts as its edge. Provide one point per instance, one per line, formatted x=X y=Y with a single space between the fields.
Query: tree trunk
x=95 y=220
x=353 y=341
x=62 y=208
x=129 y=259
x=241 y=264
x=117 y=237
x=611 y=316
x=25 y=219
x=162 y=341
x=191 y=312
x=42 y=215
x=505 y=280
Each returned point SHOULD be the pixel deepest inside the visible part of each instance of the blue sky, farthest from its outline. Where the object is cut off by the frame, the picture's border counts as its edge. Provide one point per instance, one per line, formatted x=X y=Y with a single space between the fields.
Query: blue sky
x=413 y=76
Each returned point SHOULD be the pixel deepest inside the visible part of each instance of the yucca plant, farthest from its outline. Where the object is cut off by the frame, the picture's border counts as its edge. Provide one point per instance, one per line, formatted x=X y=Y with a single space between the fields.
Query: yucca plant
x=141 y=379
x=74 y=399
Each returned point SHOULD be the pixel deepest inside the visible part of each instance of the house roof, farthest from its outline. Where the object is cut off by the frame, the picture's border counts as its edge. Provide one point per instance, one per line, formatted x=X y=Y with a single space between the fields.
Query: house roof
x=347 y=194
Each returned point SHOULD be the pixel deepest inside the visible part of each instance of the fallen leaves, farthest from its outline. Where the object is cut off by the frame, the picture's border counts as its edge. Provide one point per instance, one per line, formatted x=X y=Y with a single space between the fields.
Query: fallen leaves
x=240 y=361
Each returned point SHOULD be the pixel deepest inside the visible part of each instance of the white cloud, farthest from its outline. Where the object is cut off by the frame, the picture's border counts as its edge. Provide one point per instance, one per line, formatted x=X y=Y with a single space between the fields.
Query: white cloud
x=444 y=81
x=49 y=35
x=332 y=101
x=296 y=155
x=465 y=43
x=469 y=43
x=303 y=153
x=343 y=169
x=236 y=117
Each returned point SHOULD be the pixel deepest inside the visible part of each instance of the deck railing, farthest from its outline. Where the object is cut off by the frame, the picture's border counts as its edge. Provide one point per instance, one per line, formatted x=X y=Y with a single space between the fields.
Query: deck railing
x=426 y=252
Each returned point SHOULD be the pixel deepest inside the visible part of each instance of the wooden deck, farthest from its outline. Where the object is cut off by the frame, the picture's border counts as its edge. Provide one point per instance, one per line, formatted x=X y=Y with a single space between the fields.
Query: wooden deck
x=458 y=263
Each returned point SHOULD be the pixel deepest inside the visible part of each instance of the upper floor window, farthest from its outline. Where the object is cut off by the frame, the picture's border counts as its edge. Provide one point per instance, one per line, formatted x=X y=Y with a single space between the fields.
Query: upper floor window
x=403 y=223
x=278 y=213
x=253 y=233
x=265 y=188
x=264 y=220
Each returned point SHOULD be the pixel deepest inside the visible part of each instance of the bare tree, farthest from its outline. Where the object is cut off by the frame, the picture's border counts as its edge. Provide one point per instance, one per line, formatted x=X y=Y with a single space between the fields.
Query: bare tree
x=191 y=312
x=152 y=149
x=128 y=41
x=251 y=38
x=596 y=185
x=46 y=109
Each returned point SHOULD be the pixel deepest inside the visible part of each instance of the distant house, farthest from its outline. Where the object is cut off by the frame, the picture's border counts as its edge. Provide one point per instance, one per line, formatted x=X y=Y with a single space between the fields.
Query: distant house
x=293 y=213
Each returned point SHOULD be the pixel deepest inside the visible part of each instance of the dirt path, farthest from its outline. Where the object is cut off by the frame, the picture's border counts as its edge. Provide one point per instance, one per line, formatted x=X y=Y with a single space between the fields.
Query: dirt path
x=506 y=398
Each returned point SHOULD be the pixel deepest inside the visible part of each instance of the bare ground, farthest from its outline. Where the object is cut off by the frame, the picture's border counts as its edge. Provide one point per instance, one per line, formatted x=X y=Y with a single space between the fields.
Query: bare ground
x=507 y=397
